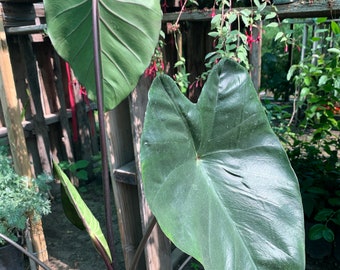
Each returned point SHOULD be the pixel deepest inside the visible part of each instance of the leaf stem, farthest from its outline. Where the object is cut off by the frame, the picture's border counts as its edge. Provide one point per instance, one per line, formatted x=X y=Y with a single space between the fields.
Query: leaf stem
x=103 y=145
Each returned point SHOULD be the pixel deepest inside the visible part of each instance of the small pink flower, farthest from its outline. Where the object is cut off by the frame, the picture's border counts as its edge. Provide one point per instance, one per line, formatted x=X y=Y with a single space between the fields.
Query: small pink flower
x=213 y=12
x=250 y=38
x=286 y=48
x=164 y=6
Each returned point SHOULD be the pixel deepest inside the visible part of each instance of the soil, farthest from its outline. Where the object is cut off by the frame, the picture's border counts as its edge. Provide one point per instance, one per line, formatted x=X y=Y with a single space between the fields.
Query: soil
x=71 y=249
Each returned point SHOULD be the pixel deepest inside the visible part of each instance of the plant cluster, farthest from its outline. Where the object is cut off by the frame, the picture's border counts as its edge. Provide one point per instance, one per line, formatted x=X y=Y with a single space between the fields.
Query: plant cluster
x=19 y=198
x=310 y=129
x=318 y=170
x=234 y=31
x=317 y=82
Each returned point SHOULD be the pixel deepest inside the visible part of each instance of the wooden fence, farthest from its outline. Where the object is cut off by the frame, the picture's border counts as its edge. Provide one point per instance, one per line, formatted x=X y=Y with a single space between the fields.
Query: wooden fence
x=57 y=118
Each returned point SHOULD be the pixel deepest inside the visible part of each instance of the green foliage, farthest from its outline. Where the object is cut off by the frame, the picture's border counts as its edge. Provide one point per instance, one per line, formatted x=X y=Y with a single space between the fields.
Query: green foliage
x=275 y=62
x=130 y=31
x=225 y=183
x=233 y=30
x=78 y=168
x=319 y=86
x=182 y=77
x=318 y=170
x=317 y=81
x=18 y=198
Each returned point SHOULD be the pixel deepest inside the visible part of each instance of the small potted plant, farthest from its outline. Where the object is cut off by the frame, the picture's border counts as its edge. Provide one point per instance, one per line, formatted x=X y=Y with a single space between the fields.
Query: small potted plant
x=19 y=198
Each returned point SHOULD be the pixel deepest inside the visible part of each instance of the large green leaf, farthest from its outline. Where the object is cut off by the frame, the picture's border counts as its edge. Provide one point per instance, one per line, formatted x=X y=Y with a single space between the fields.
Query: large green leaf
x=90 y=223
x=217 y=178
x=129 y=33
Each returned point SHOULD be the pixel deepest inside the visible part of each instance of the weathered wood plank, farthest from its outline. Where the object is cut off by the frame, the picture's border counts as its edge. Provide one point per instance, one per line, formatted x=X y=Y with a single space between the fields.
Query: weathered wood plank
x=126 y=174
x=158 y=247
x=64 y=114
x=255 y=56
x=299 y=9
x=40 y=128
x=126 y=196
x=17 y=14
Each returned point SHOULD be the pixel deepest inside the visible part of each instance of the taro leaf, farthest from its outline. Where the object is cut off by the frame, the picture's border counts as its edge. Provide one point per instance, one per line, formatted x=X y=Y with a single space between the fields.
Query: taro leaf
x=91 y=224
x=216 y=177
x=69 y=210
x=129 y=33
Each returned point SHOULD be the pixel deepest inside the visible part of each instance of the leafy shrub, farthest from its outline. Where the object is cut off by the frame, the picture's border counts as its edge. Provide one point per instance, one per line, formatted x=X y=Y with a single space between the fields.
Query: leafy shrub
x=19 y=198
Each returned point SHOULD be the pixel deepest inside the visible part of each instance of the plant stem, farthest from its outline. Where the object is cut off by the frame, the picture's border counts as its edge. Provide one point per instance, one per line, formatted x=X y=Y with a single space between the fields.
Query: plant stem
x=142 y=243
x=24 y=251
x=180 y=13
x=103 y=145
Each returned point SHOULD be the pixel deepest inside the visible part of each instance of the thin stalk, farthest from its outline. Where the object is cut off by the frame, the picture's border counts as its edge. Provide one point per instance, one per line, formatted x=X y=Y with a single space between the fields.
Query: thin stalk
x=31 y=256
x=142 y=243
x=103 y=145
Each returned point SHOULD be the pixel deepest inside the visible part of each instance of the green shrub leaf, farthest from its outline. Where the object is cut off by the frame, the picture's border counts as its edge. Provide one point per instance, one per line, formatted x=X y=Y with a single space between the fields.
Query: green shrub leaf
x=324 y=214
x=334 y=201
x=217 y=178
x=328 y=234
x=316 y=231
x=129 y=33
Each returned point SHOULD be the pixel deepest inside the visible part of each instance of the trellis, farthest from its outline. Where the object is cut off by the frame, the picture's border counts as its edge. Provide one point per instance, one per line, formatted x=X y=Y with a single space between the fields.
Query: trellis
x=124 y=124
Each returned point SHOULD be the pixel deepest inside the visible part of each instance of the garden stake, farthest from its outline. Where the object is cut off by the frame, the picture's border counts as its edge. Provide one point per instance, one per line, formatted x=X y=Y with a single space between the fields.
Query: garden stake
x=99 y=89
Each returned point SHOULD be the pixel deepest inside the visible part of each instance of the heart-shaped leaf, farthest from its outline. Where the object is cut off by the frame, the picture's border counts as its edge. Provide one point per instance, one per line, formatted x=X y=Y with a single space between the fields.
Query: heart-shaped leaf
x=129 y=33
x=216 y=176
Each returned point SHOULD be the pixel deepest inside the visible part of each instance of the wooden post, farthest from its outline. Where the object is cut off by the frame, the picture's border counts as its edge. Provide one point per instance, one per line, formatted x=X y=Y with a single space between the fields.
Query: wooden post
x=64 y=122
x=39 y=124
x=16 y=137
x=255 y=56
x=125 y=192
x=158 y=247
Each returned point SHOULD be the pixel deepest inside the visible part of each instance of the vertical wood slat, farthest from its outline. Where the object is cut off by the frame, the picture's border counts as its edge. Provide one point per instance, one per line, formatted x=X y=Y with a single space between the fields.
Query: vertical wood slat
x=43 y=51
x=64 y=122
x=126 y=196
x=83 y=148
x=255 y=55
x=39 y=124
x=158 y=247
x=16 y=135
x=21 y=84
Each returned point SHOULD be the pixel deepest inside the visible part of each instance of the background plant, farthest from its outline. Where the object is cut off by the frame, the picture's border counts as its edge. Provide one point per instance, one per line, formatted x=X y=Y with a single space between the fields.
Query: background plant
x=317 y=82
x=309 y=132
x=232 y=29
x=19 y=198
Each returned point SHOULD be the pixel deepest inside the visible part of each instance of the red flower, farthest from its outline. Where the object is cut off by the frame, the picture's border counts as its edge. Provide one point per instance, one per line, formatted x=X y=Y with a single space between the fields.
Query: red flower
x=250 y=38
x=286 y=48
x=213 y=12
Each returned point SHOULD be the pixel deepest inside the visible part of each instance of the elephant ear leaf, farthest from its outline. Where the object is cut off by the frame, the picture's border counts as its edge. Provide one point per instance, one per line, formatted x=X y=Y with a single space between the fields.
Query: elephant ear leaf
x=89 y=222
x=217 y=178
x=129 y=33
